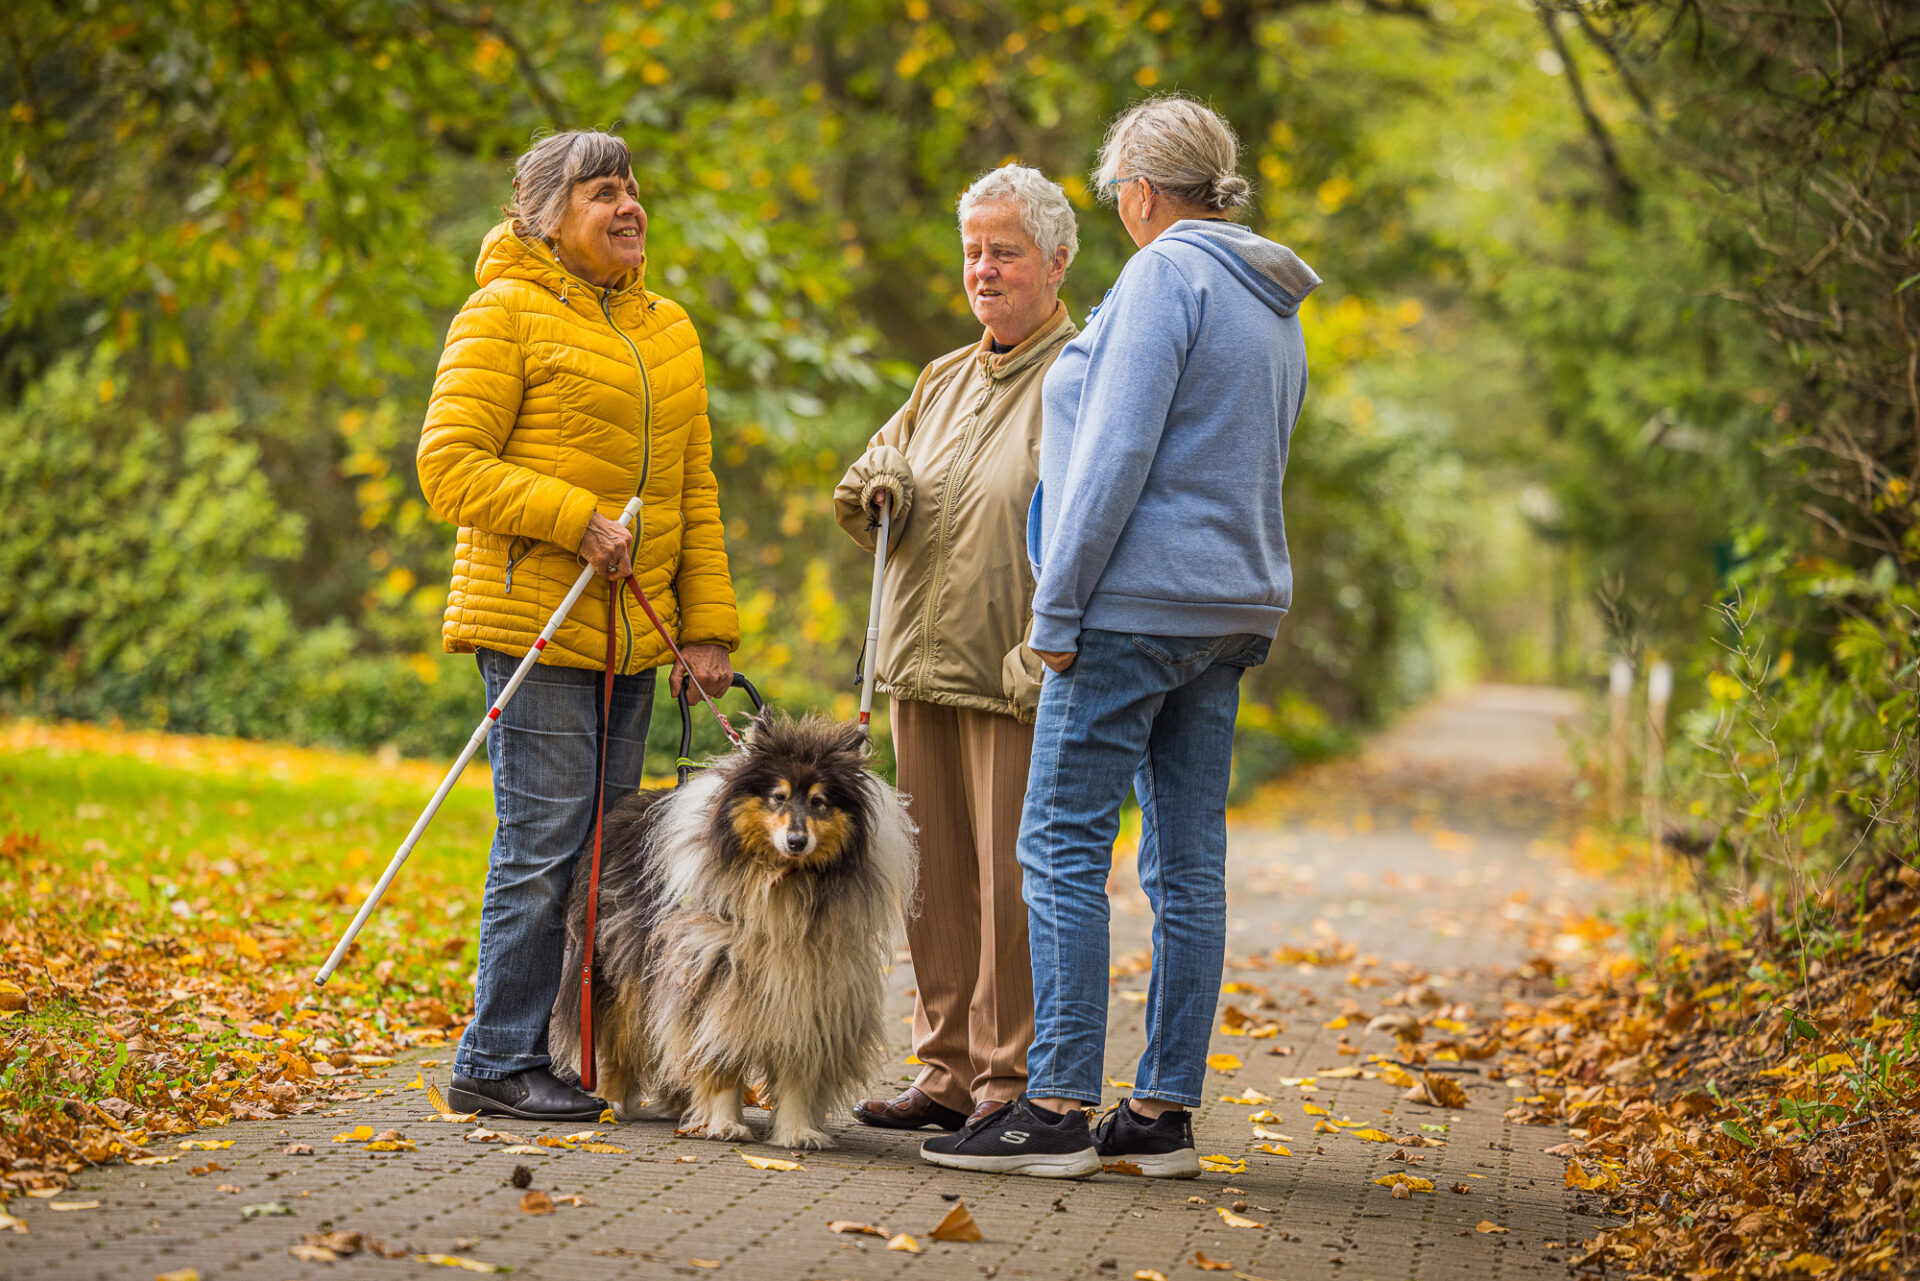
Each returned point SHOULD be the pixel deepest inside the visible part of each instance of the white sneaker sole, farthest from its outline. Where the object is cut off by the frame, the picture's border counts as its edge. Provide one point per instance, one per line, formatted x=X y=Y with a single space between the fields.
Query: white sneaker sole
x=1060 y=1165
x=1184 y=1164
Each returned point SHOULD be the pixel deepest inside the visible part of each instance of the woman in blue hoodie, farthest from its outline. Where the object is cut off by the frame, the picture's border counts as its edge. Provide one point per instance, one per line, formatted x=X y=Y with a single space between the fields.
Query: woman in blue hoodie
x=1160 y=559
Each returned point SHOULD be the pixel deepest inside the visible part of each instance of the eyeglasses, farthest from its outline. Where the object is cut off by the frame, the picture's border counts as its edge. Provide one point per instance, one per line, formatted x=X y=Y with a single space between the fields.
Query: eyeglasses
x=1116 y=182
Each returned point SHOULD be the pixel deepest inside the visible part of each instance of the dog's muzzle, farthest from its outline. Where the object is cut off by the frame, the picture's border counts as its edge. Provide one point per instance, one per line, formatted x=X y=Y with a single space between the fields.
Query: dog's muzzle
x=799 y=840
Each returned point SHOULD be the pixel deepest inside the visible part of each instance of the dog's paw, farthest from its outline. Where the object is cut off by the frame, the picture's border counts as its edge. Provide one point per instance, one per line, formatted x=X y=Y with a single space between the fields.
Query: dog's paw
x=806 y=1140
x=728 y=1132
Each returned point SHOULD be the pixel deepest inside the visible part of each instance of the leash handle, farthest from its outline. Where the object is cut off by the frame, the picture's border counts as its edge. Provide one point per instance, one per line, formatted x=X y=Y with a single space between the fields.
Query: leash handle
x=685 y=764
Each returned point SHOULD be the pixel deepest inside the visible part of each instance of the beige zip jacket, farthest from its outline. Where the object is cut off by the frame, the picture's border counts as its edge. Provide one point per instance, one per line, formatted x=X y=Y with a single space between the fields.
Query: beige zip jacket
x=959 y=462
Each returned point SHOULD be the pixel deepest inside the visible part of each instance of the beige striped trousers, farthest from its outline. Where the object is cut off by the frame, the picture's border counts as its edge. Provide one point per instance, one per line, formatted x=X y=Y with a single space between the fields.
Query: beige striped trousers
x=965 y=775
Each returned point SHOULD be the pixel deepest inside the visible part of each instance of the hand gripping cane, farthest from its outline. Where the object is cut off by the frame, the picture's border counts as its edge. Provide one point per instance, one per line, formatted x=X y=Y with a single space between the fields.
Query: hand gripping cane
x=874 y=605
x=473 y=745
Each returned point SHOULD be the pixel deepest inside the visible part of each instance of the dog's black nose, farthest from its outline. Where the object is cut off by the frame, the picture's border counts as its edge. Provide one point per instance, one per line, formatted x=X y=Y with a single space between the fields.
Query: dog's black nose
x=796 y=839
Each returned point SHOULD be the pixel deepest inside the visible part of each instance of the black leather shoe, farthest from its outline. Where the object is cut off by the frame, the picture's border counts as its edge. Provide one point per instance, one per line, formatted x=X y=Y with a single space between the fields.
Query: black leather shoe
x=533 y=1095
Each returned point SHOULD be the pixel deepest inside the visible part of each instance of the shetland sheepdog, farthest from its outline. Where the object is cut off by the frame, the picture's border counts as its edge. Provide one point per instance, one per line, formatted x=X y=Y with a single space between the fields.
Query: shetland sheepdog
x=744 y=927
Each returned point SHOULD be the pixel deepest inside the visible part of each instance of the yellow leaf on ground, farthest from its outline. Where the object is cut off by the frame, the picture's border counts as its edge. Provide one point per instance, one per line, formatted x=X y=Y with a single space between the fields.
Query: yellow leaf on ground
x=1224 y=1164
x=73 y=1205
x=1264 y=1114
x=1814 y=1263
x=312 y=1253
x=1372 y=1136
x=610 y=1148
x=1233 y=1220
x=358 y=1134
x=904 y=1242
x=214 y=1145
x=10 y=1224
x=371 y=1060
x=1393 y=1074
x=1118 y=1084
x=1223 y=1062
x=526 y=1149
x=1314 y=1109
x=388 y=1145
x=1597 y=1180
x=1123 y=1167
x=1334 y=1025
x=1262 y=1132
x=958 y=1225
x=419 y=1082
x=1832 y=1063
x=536 y=1202
x=1148 y=1274
x=442 y=1111
x=850 y=1228
x=1275 y=1148
x=1205 y=1264
x=1486 y=1225
x=1411 y=1182
x=178 y=1274
x=1249 y=1096
x=465 y=1265
x=914 y=1060
x=768 y=1162
x=704 y=1263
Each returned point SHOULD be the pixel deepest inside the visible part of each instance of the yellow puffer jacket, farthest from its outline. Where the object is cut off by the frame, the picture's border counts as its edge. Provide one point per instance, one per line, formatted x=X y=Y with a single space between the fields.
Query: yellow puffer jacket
x=554 y=398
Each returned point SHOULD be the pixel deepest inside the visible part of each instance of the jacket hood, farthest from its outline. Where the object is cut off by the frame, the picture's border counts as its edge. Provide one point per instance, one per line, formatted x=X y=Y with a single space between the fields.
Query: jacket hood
x=1274 y=273
x=505 y=254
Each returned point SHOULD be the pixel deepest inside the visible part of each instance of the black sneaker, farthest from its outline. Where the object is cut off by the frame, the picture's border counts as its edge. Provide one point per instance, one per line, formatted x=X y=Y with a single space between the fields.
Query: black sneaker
x=1161 y=1148
x=1020 y=1138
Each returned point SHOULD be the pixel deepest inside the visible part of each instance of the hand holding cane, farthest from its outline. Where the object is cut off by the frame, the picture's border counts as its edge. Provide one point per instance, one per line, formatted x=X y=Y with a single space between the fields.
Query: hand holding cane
x=520 y=673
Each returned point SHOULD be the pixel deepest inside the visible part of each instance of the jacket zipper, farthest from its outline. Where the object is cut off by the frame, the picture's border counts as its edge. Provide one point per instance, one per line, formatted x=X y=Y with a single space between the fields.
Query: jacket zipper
x=962 y=463
x=646 y=453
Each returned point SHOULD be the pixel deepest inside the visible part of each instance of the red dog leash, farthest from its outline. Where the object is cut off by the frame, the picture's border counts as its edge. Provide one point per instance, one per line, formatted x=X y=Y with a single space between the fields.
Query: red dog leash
x=632 y=582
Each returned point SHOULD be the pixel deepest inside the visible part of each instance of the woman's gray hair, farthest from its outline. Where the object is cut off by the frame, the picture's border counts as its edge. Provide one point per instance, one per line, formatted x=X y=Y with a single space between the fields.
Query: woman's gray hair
x=544 y=175
x=1044 y=209
x=1179 y=145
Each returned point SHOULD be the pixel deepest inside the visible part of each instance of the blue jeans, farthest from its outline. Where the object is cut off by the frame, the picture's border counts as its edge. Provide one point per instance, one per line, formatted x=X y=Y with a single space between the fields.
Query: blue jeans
x=1156 y=712
x=545 y=752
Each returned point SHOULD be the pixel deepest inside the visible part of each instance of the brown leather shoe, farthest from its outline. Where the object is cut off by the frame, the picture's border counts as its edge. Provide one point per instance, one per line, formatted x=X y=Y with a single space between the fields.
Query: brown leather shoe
x=912 y=1110
x=987 y=1109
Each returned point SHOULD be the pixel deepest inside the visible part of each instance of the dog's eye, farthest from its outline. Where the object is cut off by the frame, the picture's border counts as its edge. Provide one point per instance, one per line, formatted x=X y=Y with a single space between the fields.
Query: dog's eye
x=819 y=804
x=778 y=798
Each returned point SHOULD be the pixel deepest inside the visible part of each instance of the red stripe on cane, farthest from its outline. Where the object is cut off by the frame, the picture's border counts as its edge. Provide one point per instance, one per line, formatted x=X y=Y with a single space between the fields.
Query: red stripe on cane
x=494 y=715
x=539 y=642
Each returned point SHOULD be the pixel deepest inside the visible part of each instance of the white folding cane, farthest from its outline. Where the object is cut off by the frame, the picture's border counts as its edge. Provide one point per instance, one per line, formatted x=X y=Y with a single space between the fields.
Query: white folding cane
x=873 y=616
x=473 y=745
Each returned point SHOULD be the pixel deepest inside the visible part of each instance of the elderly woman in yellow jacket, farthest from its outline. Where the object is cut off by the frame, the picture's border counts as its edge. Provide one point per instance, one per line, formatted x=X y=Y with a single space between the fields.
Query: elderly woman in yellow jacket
x=566 y=388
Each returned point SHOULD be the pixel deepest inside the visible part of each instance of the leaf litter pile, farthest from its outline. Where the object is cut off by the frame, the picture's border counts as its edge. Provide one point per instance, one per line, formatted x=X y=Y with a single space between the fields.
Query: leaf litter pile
x=163 y=902
x=1751 y=1104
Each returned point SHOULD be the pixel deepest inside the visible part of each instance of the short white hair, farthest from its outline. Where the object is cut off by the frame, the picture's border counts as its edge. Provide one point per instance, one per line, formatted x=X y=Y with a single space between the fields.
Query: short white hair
x=1044 y=209
x=1182 y=147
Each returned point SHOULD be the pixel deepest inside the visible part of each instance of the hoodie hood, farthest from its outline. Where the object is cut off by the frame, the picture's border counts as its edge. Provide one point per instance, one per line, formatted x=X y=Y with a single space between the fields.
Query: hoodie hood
x=1274 y=273
x=505 y=254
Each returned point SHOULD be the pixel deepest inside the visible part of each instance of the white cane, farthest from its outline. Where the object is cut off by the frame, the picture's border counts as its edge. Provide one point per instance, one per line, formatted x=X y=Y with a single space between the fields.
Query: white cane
x=873 y=616
x=473 y=745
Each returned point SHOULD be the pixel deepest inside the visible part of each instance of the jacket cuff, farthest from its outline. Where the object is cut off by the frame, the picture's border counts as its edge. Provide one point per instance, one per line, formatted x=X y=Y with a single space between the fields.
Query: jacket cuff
x=571 y=525
x=1055 y=635
x=899 y=498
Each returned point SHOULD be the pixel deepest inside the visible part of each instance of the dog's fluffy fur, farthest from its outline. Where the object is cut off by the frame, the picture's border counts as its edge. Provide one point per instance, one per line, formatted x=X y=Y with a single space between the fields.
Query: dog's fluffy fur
x=744 y=926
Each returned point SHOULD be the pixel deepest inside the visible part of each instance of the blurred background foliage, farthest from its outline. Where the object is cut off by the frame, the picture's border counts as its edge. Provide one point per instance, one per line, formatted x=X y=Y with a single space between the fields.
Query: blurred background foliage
x=1614 y=353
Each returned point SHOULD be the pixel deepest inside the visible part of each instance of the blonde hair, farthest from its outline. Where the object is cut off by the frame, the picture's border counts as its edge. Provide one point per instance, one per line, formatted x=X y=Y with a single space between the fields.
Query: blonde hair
x=1044 y=210
x=1183 y=147
x=544 y=175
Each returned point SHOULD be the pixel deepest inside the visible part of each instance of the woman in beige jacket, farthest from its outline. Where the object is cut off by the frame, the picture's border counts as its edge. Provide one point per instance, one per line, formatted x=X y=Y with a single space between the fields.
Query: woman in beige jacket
x=957 y=466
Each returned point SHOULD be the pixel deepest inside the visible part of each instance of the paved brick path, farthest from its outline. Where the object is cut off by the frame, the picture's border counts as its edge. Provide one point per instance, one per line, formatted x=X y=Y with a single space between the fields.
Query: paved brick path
x=1422 y=859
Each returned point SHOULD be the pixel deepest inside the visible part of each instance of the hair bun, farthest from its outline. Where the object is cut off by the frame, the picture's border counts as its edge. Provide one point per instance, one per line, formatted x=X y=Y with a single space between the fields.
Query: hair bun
x=1229 y=192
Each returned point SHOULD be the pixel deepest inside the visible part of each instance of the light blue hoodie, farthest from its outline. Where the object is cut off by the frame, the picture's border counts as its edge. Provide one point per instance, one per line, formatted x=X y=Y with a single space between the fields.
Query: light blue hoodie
x=1164 y=441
